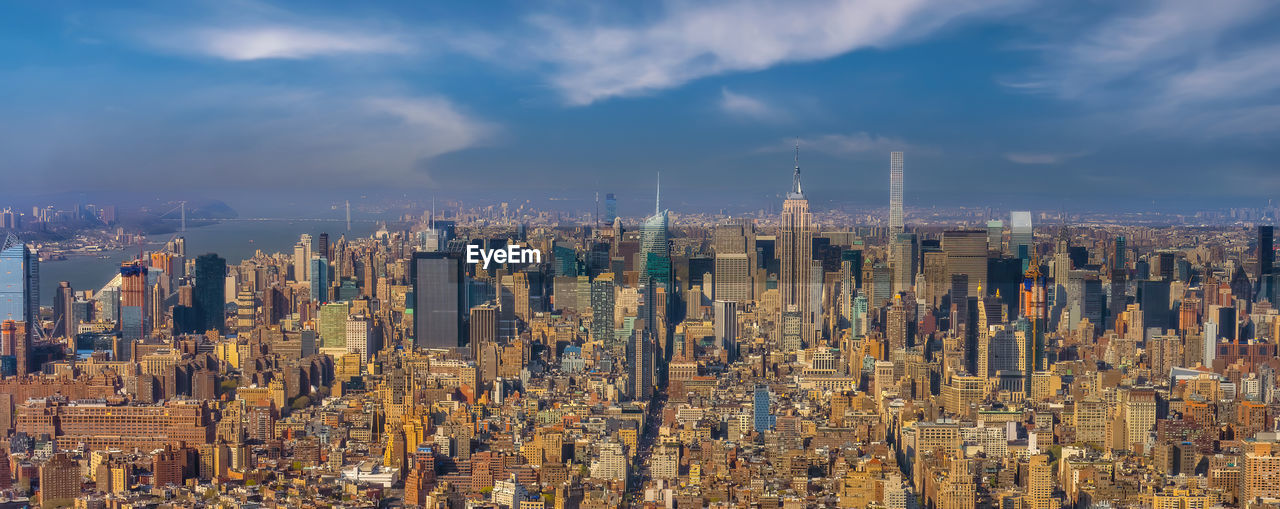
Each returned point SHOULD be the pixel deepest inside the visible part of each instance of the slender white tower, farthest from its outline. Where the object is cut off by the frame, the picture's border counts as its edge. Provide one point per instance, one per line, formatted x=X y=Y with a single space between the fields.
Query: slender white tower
x=895 y=193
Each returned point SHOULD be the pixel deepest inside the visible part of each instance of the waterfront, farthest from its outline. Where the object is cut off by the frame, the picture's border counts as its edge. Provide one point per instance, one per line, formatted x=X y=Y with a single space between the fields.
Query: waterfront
x=233 y=240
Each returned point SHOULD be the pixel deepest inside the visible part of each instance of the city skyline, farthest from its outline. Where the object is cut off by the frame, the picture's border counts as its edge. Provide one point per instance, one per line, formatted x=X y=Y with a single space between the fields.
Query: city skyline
x=275 y=253
x=456 y=99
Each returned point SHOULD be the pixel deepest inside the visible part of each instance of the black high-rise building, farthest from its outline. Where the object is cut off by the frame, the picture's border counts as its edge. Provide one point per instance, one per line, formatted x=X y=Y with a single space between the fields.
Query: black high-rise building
x=62 y=316
x=971 y=331
x=1118 y=260
x=1266 y=250
x=1227 y=323
x=830 y=257
x=855 y=257
x=322 y=246
x=1153 y=298
x=1003 y=277
x=1079 y=256
x=439 y=305
x=1165 y=259
x=210 y=294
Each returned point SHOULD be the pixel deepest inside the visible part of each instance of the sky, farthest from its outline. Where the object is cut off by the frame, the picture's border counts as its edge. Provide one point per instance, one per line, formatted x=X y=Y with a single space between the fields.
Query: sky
x=994 y=102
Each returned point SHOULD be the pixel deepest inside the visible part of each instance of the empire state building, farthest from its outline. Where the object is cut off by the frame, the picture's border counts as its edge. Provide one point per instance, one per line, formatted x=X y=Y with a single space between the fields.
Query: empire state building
x=795 y=251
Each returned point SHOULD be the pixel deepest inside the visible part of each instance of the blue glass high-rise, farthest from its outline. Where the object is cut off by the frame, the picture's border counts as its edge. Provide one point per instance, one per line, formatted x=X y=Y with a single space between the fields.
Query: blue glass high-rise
x=610 y=209
x=565 y=260
x=19 y=281
x=319 y=272
x=760 y=409
x=210 y=294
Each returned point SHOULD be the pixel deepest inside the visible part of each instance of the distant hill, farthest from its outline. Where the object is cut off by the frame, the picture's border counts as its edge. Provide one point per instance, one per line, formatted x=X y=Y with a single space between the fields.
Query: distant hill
x=210 y=209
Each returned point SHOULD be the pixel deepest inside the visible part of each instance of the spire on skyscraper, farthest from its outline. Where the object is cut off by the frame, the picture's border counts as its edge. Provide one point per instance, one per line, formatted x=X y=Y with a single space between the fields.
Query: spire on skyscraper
x=797 y=191
x=657 y=198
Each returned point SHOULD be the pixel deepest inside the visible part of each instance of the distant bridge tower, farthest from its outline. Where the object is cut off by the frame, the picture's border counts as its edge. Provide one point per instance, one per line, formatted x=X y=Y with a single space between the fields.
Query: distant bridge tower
x=348 y=215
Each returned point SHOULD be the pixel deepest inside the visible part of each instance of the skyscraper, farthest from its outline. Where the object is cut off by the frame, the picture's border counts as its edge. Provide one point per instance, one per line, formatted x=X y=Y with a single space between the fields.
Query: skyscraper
x=640 y=364
x=1034 y=309
x=319 y=279
x=63 y=317
x=360 y=337
x=322 y=246
x=725 y=321
x=439 y=301
x=1021 y=237
x=895 y=193
x=482 y=328
x=1153 y=297
x=898 y=324
x=1140 y=418
x=300 y=260
x=978 y=357
x=849 y=272
x=1266 y=249
x=1118 y=257
x=305 y=240
x=732 y=265
x=904 y=258
x=761 y=414
x=1210 y=343
x=653 y=242
x=210 y=294
x=15 y=341
x=995 y=234
x=966 y=254
x=795 y=251
x=1266 y=263
x=133 y=300
x=602 y=304
x=610 y=208
x=19 y=281
x=564 y=260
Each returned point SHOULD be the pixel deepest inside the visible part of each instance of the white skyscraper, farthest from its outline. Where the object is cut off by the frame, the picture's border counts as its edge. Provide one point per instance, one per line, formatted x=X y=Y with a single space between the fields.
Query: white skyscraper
x=358 y=337
x=895 y=193
x=300 y=262
x=1210 y=343
x=302 y=258
x=1021 y=236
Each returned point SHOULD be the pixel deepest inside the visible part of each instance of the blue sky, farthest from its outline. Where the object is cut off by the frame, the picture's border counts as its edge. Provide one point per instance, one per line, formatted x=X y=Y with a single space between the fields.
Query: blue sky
x=995 y=102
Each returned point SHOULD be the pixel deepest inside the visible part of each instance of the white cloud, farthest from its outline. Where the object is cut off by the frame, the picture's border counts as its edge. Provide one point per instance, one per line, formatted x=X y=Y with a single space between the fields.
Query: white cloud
x=280 y=42
x=1041 y=157
x=1165 y=62
x=432 y=126
x=1247 y=73
x=692 y=40
x=262 y=136
x=852 y=143
x=1149 y=43
x=744 y=105
x=841 y=144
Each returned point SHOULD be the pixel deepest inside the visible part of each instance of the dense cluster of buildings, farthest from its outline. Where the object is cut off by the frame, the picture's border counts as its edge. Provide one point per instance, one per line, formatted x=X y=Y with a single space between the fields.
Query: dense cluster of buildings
x=664 y=362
